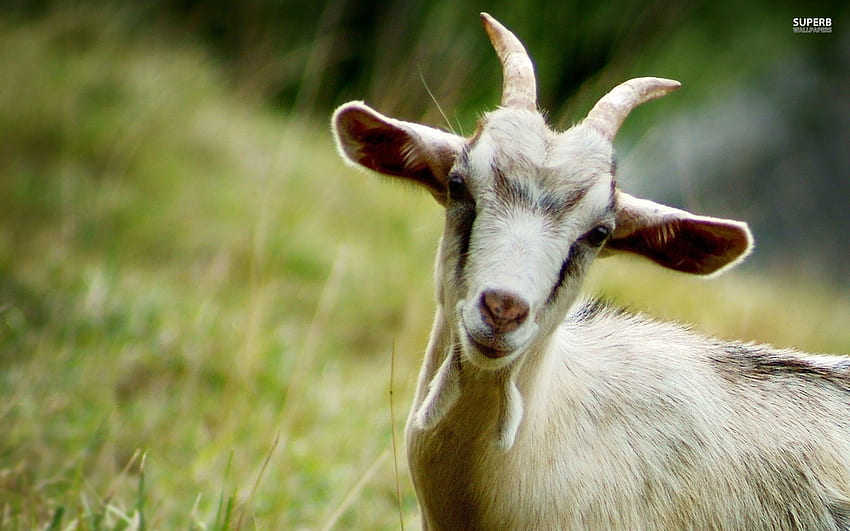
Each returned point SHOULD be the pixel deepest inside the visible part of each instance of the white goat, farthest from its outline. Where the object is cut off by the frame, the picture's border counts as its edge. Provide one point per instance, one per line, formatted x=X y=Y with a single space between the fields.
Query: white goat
x=537 y=410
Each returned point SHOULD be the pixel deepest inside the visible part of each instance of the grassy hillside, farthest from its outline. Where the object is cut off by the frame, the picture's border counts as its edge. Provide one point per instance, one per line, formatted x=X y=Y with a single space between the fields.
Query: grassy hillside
x=199 y=302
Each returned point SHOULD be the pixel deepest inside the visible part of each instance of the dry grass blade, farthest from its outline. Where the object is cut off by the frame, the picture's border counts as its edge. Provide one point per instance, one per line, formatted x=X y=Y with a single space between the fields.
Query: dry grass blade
x=355 y=491
x=259 y=479
x=395 y=443
x=309 y=350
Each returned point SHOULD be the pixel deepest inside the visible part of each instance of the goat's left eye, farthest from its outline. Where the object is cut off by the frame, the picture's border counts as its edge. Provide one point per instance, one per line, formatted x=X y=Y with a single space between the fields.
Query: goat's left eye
x=457 y=188
x=597 y=235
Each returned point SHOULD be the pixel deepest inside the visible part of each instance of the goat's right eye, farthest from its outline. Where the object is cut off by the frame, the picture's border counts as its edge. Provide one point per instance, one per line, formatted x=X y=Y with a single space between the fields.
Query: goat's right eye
x=457 y=188
x=598 y=235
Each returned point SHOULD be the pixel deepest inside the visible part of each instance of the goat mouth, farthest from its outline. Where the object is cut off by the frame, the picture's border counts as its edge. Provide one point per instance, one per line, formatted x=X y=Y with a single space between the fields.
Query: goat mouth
x=490 y=352
x=485 y=345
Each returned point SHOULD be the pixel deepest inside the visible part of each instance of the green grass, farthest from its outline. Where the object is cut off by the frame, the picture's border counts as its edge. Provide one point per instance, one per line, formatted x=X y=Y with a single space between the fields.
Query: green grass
x=199 y=302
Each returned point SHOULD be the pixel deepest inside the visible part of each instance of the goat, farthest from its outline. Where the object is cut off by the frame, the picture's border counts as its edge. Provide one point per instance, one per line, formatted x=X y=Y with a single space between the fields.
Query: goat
x=538 y=409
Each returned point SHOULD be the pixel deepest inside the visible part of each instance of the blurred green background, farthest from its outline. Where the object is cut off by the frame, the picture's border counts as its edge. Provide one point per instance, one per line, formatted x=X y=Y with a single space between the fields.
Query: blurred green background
x=200 y=304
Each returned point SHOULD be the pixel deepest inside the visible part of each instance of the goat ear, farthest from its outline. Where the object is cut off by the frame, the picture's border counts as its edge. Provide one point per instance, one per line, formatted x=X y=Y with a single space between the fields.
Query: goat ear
x=677 y=239
x=394 y=147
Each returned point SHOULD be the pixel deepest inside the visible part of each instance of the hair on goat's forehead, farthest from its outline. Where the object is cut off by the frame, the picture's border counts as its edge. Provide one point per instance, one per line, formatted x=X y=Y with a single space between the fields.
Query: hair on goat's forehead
x=524 y=161
x=514 y=134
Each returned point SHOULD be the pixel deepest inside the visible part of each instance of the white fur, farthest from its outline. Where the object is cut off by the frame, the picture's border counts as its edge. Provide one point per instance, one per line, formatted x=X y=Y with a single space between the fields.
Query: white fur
x=443 y=392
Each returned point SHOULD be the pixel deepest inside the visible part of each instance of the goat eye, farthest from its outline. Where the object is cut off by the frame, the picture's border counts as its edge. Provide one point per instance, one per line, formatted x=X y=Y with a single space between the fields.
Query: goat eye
x=457 y=188
x=597 y=235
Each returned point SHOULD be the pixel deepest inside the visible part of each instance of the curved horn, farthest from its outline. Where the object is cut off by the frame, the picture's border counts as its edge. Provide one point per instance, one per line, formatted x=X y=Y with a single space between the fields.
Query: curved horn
x=609 y=112
x=519 y=88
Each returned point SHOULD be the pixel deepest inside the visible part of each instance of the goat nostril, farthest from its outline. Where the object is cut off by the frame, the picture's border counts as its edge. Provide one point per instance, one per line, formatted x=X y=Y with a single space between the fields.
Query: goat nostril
x=503 y=311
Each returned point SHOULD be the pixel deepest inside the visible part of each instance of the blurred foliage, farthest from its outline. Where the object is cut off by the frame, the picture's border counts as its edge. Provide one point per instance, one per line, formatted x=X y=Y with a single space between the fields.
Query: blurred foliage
x=171 y=259
x=313 y=55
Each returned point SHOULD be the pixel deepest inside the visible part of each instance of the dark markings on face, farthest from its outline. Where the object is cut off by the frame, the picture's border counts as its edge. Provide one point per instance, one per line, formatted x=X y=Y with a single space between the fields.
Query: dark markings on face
x=568 y=269
x=460 y=214
x=555 y=204
x=464 y=218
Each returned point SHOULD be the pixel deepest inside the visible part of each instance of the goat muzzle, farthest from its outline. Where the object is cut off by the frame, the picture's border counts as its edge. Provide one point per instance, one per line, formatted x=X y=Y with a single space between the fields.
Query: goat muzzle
x=502 y=311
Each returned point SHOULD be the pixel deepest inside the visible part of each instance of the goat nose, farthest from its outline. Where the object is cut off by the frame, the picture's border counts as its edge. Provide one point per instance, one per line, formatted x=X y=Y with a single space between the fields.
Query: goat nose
x=502 y=311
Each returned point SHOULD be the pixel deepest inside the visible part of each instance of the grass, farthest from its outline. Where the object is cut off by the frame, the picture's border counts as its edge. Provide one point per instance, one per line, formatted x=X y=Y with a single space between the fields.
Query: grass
x=200 y=305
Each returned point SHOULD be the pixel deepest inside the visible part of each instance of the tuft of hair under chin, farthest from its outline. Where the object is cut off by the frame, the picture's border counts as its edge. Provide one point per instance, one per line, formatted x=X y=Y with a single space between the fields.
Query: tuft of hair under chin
x=510 y=416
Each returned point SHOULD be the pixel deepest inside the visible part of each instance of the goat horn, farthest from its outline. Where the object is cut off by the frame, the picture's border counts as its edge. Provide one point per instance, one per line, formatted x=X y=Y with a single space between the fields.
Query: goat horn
x=609 y=112
x=519 y=89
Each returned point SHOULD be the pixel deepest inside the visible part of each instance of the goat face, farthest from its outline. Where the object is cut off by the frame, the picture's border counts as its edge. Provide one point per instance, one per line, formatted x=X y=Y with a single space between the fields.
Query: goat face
x=527 y=209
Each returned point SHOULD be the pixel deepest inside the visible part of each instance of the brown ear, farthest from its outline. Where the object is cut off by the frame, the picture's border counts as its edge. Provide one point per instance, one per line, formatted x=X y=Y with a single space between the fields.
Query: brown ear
x=394 y=147
x=677 y=239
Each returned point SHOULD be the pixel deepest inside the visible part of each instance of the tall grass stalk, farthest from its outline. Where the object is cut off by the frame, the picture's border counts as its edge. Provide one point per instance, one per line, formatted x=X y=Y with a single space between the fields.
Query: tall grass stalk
x=319 y=327
x=260 y=475
x=355 y=491
x=395 y=443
